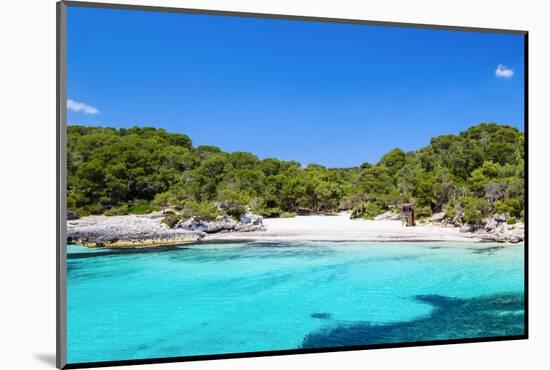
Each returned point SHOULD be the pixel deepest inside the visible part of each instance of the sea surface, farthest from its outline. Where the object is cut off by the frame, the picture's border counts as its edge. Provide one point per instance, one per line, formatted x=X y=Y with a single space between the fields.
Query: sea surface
x=246 y=297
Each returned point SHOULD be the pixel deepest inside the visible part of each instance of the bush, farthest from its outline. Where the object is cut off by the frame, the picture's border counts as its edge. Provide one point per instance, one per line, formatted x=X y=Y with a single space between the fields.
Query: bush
x=423 y=212
x=236 y=212
x=117 y=211
x=511 y=221
x=233 y=208
x=475 y=209
x=92 y=209
x=166 y=199
x=269 y=212
x=367 y=211
x=288 y=214
x=233 y=204
x=141 y=206
x=451 y=209
x=511 y=206
x=171 y=219
x=204 y=211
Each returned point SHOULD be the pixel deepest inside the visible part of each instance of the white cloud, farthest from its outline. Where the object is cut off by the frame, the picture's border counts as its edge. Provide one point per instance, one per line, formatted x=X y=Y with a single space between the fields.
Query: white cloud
x=503 y=71
x=81 y=107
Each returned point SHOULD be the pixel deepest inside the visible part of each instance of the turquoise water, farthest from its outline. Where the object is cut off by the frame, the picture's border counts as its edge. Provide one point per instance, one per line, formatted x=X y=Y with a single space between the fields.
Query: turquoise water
x=245 y=297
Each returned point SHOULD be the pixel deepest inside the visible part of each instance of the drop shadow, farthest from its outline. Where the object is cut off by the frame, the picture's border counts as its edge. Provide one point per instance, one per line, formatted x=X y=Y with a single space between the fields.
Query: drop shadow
x=46 y=358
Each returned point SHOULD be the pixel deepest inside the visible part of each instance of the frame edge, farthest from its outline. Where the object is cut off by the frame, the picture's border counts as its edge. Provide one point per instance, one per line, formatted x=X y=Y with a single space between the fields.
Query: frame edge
x=288 y=17
x=61 y=210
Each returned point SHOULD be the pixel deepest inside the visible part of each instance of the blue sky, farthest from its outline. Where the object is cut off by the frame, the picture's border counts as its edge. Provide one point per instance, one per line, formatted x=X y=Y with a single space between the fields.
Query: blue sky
x=333 y=94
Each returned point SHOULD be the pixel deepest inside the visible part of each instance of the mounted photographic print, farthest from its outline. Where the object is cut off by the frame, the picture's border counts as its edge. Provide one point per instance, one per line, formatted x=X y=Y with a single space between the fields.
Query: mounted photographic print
x=235 y=184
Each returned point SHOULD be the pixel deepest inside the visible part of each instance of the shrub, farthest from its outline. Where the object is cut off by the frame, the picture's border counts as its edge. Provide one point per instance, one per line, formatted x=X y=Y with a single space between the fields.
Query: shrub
x=511 y=206
x=92 y=209
x=451 y=209
x=165 y=199
x=236 y=212
x=511 y=221
x=232 y=203
x=288 y=214
x=141 y=206
x=475 y=209
x=367 y=211
x=204 y=211
x=171 y=219
x=423 y=212
x=117 y=211
x=269 y=211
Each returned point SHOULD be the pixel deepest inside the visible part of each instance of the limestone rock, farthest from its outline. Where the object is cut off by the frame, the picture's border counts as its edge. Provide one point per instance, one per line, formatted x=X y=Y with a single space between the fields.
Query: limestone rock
x=126 y=231
x=500 y=218
x=250 y=218
x=438 y=217
x=490 y=225
x=496 y=229
x=468 y=228
x=247 y=222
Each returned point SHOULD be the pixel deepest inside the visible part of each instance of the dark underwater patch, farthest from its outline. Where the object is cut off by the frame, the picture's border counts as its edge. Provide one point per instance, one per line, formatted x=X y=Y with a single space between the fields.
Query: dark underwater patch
x=452 y=318
x=321 y=315
x=487 y=250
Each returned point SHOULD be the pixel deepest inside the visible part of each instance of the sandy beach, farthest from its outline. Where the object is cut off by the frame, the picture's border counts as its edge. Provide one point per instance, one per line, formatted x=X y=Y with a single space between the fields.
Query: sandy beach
x=341 y=228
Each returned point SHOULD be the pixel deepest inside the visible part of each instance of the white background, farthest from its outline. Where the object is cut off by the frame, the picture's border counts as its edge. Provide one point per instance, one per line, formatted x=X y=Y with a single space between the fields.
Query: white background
x=27 y=193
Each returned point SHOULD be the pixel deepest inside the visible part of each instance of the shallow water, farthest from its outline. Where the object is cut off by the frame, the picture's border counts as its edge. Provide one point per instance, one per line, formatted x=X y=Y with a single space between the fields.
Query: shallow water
x=245 y=297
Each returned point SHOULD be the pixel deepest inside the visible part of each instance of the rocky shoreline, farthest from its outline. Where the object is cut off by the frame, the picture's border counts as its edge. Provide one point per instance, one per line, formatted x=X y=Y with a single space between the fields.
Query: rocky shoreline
x=126 y=231
x=498 y=228
x=143 y=231
x=135 y=231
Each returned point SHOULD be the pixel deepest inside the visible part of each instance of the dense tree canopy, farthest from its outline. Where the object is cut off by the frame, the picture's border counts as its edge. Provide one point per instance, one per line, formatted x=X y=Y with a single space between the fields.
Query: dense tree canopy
x=137 y=170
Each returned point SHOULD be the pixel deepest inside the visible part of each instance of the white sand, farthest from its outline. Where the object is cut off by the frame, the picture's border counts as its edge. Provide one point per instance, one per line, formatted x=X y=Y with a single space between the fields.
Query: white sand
x=341 y=228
